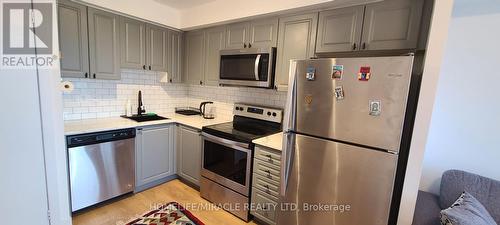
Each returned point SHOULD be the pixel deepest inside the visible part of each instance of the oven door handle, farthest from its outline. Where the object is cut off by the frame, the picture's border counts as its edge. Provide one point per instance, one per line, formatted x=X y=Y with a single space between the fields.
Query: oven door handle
x=256 y=69
x=225 y=142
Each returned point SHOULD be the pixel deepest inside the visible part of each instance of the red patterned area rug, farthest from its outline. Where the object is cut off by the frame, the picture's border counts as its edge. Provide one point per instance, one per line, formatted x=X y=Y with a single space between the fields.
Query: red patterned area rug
x=171 y=213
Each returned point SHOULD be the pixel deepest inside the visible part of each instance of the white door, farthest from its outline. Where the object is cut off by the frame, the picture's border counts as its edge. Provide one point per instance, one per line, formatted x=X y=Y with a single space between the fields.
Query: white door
x=22 y=170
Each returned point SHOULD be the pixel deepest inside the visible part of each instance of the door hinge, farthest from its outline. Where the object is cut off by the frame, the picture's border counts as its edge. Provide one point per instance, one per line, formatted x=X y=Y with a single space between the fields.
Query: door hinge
x=48 y=216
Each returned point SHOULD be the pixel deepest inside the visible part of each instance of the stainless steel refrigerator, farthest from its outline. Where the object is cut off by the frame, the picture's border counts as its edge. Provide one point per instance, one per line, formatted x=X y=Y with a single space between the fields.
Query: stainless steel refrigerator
x=342 y=136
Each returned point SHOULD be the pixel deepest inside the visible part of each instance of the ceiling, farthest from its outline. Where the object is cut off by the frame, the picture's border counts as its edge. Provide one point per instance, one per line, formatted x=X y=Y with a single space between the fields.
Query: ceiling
x=183 y=4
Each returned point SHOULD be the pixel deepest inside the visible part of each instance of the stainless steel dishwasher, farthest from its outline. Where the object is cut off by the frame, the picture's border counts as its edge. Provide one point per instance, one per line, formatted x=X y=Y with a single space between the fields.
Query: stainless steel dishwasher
x=101 y=166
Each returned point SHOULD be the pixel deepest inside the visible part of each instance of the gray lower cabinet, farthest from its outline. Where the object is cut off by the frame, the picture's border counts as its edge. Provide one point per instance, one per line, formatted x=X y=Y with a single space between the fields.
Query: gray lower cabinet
x=189 y=151
x=214 y=42
x=156 y=48
x=339 y=30
x=174 y=67
x=133 y=43
x=297 y=36
x=392 y=24
x=104 y=47
x=266 y=183
x=155 y=159
x=194 y=57
x=73 y=39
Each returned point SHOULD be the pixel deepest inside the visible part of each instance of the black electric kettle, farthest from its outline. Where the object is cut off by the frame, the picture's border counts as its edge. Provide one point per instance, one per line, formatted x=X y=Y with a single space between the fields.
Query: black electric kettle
x=202 y=110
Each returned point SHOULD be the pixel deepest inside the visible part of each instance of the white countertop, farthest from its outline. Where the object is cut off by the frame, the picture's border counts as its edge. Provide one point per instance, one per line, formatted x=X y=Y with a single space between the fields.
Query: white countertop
x=73 y=127
x=274 y=141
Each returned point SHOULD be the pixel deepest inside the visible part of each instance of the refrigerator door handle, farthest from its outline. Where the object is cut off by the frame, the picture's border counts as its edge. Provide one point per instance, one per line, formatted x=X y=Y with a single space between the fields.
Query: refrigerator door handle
x=287 y=154
x=288 y=127
x=291 y=103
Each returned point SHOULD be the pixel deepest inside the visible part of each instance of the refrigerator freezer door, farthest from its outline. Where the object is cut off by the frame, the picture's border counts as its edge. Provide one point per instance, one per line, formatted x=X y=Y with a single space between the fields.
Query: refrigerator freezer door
x=368 y=109
x=332 y=174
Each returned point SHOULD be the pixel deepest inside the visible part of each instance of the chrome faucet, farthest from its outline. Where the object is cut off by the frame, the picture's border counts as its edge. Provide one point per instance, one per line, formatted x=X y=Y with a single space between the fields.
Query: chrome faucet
x=140 y=106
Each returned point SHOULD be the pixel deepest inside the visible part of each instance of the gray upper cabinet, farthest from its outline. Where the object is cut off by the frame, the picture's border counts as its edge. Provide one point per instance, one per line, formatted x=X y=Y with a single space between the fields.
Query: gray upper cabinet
x=174 y=67
x=133 y=43
x=73 y=39
x=194 y=58
x=214 y=42
x=255 y=34
x=144 y=46
x=104 y=44
x=392 y=24
x=339 y=30
x=189 y=148
x=297 y=36
x=156 y=42
x=237 y=35
x=263 y=33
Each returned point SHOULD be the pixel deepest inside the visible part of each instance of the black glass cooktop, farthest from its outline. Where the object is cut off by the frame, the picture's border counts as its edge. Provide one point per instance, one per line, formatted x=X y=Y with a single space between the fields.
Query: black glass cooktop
x=243 y=129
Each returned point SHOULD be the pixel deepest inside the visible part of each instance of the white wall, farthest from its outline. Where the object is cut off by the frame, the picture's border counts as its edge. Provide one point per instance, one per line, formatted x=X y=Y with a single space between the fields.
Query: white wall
x=223 y=10
x=466 y=118
x=434 y=54
x=151 y=10
x=29 y=187
x=195 y=15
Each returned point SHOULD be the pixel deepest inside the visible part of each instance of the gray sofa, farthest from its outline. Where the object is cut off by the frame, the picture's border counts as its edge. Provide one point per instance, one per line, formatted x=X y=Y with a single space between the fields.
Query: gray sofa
x=453 y=183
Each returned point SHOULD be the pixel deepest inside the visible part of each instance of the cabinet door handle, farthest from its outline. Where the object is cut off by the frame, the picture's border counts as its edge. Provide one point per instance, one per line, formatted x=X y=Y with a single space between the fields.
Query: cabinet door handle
x=94 y=75
x=170 y=80
x=249 y=45
x=201 y=82
x=86 y=75
x=144 y=67
x=245 y=45
x=364 y=46
x=149 y=67
x=354 y=47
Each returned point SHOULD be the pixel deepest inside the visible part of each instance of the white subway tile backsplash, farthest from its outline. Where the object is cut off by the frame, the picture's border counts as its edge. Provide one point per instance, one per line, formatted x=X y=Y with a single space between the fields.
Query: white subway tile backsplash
x=107 y=98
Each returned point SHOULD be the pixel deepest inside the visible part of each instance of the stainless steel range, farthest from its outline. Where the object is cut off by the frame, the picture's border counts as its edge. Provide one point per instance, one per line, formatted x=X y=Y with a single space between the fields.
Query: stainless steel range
x=228 y=153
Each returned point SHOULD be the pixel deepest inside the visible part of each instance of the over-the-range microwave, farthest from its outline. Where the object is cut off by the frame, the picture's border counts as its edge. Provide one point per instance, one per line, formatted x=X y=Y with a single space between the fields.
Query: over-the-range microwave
x=252 y=67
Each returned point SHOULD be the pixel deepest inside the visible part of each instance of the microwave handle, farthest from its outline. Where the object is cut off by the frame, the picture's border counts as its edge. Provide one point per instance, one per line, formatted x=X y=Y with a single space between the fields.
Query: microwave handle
x=256 y=69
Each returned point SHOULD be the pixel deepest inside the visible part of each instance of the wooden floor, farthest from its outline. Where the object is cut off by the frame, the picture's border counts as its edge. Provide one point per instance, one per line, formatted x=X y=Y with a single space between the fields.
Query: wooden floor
x=120 y=211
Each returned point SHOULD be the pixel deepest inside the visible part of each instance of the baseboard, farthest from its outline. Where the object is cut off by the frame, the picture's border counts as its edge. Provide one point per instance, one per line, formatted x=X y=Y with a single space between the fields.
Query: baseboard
x=155 y=183
x=189 y=183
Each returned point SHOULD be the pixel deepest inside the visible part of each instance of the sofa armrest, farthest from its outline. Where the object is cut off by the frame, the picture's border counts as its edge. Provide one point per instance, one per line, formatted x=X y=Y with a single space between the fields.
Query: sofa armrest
x=427 y=210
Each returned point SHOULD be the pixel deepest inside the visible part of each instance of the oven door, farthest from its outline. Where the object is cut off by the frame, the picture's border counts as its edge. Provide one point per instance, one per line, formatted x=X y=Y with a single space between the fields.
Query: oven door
x=247 y=67
x=227 y=163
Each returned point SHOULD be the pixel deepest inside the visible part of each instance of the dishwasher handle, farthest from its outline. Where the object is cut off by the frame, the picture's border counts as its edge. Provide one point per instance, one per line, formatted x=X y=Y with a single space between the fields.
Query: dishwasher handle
x=100 y=137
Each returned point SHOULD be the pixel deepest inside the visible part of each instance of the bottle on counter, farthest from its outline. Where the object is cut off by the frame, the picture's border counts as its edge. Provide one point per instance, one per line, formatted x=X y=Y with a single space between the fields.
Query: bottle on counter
x=128 y=108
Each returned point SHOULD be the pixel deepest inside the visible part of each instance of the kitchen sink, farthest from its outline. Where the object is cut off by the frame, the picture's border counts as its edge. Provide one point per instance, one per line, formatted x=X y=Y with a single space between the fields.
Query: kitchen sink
x=145 y=117
x=187 y=111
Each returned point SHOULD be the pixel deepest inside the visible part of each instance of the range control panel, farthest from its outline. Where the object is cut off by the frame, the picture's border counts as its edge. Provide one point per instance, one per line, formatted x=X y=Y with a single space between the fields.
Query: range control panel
x=258 y=112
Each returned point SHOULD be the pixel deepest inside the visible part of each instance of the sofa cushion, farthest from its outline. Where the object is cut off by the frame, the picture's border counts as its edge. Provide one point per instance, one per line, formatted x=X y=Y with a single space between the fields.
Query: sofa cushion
x=485 y=190
x=467 y=210
x=427 y=209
